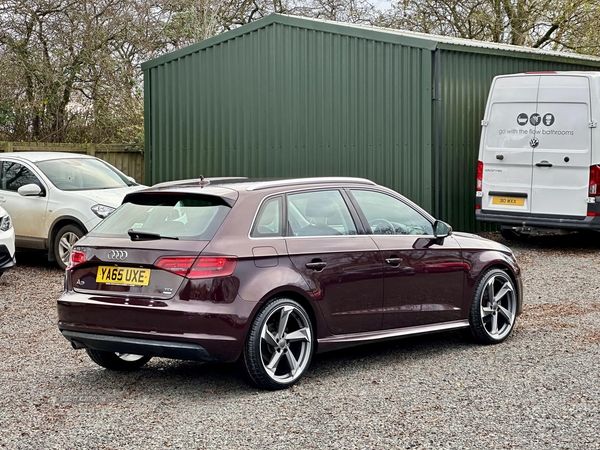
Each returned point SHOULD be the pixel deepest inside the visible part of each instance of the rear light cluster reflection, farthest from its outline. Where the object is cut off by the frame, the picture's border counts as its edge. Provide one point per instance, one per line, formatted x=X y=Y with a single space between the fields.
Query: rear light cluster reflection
x=201 y=267
x=76 y=259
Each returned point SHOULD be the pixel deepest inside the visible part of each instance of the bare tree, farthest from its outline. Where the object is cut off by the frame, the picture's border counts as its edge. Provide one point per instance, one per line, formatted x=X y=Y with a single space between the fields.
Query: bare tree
x=555 y=24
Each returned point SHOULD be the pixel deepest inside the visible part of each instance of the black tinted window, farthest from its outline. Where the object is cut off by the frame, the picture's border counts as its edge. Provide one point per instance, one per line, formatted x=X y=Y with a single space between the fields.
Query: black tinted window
x=15 y=175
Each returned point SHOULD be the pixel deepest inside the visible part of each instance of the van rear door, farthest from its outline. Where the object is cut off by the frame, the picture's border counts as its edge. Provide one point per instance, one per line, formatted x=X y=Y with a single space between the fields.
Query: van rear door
x=507 y=153
x=562 y=155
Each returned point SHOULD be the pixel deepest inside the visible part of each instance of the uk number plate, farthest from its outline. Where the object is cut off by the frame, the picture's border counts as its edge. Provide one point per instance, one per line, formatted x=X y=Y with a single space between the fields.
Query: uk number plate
x=125 y=276
x=508 y=201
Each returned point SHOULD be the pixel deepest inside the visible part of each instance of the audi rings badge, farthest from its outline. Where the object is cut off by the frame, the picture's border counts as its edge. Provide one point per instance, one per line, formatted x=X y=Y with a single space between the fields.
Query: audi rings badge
x=117 y=255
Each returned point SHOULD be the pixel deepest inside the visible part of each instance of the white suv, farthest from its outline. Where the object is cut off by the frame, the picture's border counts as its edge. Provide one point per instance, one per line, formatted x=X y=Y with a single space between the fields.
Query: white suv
x=7 y=242
x=55 y=198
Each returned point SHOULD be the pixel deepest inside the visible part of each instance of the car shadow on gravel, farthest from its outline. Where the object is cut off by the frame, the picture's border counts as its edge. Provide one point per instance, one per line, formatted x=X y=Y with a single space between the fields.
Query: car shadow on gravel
x=587 y=240
x=32 y=258
x=168 y=378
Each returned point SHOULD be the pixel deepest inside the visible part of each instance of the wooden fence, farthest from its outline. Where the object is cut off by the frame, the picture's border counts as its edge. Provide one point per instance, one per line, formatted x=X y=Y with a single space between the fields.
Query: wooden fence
x=128 y=160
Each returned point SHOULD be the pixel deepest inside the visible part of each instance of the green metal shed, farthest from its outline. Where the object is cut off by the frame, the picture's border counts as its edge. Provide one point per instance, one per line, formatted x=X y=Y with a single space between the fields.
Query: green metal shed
x=289 y=97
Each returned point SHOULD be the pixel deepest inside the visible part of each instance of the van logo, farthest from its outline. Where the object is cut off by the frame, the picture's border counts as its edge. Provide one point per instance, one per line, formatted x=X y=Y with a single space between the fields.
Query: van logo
x=534 y=142
x=522 y=119
x=117 y=255
x=535 y=119
x=548 y=119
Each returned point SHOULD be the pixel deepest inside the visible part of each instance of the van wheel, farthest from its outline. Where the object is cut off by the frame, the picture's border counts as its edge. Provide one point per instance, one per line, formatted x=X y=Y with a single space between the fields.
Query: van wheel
x=65 y=239
x=511 y=235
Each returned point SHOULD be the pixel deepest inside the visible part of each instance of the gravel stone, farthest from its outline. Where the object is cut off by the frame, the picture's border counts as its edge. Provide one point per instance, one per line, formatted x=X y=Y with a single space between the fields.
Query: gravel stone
x=539 y=389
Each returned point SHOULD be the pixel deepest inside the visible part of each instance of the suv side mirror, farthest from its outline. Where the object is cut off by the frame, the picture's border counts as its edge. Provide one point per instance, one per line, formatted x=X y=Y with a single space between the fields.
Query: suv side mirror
x=441 y=230
x=30 y=190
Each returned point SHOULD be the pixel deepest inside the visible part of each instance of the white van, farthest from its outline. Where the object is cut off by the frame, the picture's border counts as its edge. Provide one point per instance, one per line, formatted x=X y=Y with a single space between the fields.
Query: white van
x=539 y=156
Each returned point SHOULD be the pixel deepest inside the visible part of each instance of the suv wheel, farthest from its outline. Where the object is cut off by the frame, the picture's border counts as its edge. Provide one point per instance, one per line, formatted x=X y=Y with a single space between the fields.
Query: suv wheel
x=65 y=239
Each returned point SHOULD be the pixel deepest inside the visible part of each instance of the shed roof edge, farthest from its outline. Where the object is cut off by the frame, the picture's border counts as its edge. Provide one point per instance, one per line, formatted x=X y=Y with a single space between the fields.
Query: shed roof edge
x=408 y=38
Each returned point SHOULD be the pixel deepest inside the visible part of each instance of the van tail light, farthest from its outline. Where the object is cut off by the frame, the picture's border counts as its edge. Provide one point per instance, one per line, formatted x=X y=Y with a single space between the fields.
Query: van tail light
x=76 y=259
x=479 y=175
x=594 y=188
x=201 y=267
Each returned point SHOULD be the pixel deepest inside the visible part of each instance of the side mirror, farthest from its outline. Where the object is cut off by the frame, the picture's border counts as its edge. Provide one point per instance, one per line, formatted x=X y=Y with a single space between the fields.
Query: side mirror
x=441 y=230
x=30 y=190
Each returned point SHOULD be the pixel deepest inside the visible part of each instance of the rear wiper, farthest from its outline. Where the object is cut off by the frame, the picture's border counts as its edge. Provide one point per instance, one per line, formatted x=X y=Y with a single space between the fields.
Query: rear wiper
x=145 y=236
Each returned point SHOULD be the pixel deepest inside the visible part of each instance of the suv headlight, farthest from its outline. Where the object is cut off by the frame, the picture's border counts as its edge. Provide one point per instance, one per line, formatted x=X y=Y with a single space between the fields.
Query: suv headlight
x=5 y=223
x=102 y=211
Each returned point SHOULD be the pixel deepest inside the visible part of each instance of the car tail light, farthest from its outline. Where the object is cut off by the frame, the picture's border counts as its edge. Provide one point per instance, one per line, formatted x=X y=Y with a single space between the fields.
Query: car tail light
x=201 y=267
x=594 y=188
x=479 y=175
x=76 y=258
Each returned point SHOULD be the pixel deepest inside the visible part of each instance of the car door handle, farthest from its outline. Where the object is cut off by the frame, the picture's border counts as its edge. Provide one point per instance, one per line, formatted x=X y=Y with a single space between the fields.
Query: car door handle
x=543 y=164
x=316 y=265
x=394 y=261
x=2 y=200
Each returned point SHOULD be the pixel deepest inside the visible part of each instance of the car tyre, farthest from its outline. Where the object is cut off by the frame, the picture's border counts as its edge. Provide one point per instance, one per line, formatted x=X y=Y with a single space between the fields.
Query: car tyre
x=65 y=239
x=279 y=346
x=494 y=307
x=117 y=361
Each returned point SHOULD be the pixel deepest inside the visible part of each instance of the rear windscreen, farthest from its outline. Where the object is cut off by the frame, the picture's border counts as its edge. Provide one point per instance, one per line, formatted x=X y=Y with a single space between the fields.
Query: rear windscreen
x=169 y=216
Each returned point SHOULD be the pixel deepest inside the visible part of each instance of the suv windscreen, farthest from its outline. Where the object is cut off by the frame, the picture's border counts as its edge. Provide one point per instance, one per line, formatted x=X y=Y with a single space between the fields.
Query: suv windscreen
x=170 y=216
x=77 y=174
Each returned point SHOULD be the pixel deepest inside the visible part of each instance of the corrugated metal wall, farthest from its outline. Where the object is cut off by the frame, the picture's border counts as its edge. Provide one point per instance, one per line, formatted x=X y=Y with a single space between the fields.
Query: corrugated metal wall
x=465 y=83
x=292 y=97
x=285 y=101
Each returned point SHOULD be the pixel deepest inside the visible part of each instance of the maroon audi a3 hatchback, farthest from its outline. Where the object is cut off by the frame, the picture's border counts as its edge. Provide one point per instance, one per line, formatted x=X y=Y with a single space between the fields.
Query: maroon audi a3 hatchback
x=267 y=273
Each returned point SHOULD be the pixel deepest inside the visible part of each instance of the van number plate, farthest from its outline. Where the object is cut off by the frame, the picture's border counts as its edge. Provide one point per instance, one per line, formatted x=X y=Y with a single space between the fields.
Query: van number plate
x=508 y=201
x=124 y=276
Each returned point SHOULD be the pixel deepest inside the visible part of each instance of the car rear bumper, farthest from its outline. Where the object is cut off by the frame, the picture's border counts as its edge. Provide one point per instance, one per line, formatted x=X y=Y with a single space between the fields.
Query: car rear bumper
x=7 y=259
x=541 y=221
x=197 y=330
x=164 y=349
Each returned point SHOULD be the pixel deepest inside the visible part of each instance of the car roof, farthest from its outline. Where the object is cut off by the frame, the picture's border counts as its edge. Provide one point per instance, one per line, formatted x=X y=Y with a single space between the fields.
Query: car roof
x=246 y=184
x=43 y=156
x=231 y=188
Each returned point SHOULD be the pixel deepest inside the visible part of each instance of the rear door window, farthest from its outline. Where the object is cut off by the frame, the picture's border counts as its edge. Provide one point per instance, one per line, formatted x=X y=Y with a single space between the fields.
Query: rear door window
x=319 y=213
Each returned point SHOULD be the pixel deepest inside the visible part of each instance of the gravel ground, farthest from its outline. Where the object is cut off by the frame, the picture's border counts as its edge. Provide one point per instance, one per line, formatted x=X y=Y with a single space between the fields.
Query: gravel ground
x=538 y=390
